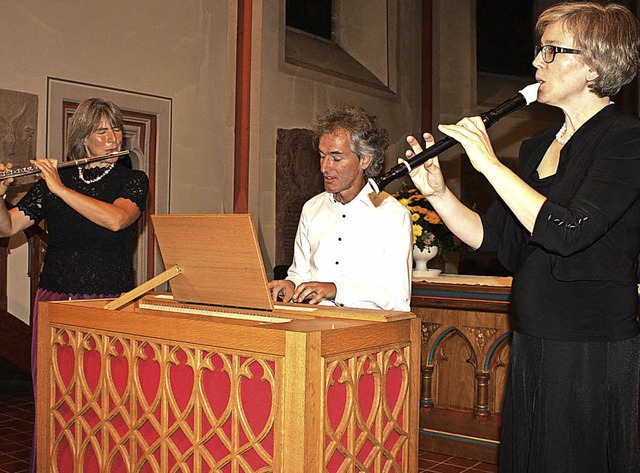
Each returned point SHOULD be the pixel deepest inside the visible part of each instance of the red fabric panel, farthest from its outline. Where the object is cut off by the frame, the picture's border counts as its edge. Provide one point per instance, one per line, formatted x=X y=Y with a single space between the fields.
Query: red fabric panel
x=176 y=398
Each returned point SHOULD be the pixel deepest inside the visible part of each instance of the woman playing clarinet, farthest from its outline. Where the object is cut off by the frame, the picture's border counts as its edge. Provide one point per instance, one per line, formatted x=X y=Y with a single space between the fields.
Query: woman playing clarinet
x=90 y=211
x=567 y=224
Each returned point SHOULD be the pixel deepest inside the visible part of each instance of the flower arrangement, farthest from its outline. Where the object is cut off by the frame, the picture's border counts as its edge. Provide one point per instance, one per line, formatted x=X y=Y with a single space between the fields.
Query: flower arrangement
x=428 y=228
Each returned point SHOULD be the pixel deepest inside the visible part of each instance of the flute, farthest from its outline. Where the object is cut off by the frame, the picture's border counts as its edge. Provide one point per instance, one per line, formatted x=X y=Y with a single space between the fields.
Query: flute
x=25 y=171
x=524 y=97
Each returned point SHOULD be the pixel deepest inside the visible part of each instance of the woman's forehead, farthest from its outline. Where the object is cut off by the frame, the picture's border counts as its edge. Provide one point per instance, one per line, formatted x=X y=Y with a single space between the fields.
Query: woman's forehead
x=557 y=34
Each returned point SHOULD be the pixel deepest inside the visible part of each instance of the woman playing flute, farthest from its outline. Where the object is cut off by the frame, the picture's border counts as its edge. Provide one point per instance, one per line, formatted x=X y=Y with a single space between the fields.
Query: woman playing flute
x=91 y=212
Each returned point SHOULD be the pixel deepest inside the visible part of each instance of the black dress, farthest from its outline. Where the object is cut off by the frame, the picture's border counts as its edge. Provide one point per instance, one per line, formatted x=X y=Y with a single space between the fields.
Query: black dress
x=83 y=257
x=571 y=402
x=558 y=390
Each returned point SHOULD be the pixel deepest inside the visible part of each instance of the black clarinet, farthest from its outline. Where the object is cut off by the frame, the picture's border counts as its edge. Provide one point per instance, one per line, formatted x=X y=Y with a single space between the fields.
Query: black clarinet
x=526 y=96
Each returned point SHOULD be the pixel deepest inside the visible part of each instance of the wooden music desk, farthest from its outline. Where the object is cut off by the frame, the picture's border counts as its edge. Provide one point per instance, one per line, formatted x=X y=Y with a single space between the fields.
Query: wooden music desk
x=305 y=390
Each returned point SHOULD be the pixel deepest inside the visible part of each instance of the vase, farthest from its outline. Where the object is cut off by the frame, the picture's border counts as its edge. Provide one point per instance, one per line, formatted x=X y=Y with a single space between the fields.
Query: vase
x=421 y=258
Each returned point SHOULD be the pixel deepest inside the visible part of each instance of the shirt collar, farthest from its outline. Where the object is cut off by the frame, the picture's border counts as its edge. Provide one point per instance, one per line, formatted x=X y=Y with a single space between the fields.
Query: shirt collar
x=363 y=196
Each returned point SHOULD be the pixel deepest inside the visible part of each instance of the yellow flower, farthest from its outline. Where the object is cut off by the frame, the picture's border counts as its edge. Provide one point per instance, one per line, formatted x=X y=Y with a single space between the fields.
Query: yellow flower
x=428 y=227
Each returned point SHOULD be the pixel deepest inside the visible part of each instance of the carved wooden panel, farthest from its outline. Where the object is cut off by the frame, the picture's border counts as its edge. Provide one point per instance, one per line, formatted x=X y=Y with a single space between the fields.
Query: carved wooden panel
x=149 y=391
x=367 y=411
x=454 y=363
x=469 y=367
x=465 y=352
x=125 y=404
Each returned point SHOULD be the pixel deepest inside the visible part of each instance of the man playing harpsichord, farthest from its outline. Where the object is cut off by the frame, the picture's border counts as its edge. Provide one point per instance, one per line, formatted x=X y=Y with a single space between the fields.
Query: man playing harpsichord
x=352 y=246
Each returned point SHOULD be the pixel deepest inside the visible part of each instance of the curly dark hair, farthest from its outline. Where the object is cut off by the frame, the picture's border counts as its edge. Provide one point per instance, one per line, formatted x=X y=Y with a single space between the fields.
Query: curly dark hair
x=366 y=137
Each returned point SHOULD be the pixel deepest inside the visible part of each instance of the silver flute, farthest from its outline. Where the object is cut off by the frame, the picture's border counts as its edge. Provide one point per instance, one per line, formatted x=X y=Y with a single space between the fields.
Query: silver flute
x=25 y=171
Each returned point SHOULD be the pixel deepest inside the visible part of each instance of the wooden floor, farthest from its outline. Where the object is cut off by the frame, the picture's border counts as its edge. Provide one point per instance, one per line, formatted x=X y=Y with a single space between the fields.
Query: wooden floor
x=16 y=432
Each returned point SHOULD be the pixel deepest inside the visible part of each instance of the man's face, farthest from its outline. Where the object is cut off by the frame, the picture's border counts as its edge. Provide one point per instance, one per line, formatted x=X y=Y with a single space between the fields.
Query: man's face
x=342 y=171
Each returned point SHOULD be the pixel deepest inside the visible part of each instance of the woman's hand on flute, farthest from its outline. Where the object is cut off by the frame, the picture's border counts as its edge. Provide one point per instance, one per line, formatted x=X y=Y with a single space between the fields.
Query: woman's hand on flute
x=471 y=133
x=49 y=172
x=428 y=178
x=461 y=220
x=4 y=183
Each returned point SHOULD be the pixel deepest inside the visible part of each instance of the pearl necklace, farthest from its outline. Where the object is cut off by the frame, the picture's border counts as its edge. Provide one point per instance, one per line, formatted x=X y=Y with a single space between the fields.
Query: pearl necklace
x=95 y=179
x=559 y=138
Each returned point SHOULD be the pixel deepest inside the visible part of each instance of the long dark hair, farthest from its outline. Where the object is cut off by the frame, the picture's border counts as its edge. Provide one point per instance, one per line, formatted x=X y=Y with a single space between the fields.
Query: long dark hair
x=86 y=119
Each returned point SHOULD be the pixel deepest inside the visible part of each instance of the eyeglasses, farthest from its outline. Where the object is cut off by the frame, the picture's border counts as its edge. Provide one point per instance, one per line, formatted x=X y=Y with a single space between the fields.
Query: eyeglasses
x=549 y=52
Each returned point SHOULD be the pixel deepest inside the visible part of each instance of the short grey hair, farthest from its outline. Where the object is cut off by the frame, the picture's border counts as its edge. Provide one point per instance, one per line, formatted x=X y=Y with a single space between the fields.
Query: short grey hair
x=366 y=137
x=608 y=36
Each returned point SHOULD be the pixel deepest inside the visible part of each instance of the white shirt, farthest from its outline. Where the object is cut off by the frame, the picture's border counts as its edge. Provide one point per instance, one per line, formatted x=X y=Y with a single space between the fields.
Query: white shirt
x=363 y=247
